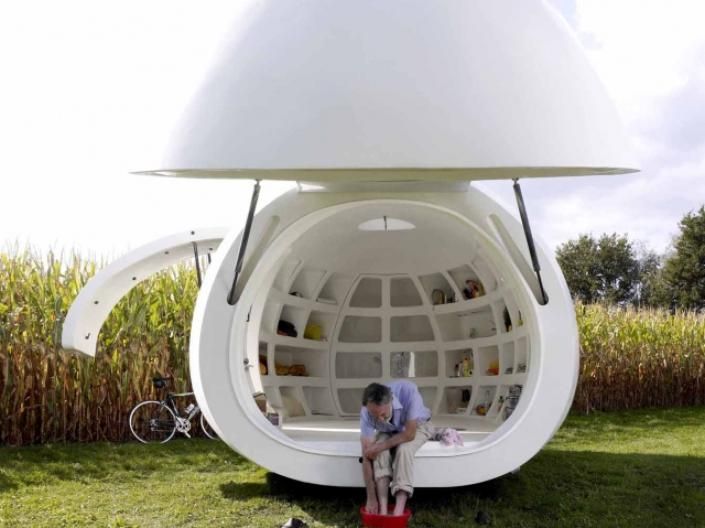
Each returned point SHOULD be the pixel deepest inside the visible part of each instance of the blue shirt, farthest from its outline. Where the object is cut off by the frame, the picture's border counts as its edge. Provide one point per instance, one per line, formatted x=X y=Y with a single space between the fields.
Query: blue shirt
x=407 y=404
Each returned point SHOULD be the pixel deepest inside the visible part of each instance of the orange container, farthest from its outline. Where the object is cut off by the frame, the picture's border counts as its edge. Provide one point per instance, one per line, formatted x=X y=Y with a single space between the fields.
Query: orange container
x=371 y=520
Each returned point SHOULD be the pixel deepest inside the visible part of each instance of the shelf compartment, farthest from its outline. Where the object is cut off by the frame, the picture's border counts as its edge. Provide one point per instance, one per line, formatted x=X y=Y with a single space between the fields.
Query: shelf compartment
x=335 y=289
x=468 y=324
x=514 y=393
x=521 y=356
x=410 y=328
x=455 y=400
x=487 y=361
x=457 y=357
x=358 y=365
x=315 y=361
x=436 y=281
x=272 y=395
x=504 y=317
x=514 y=312
x=263 y=353
x=506 y=359
x=409 y=364
x=500 y=401
x=367 y=294
x=292 y=402
x=325 y=323
x=361 y=329
x=307 y=282
x=485 y=274
x=296 y=316
x=350 y=400
x=428 y=395
x=482 y=404
x=403 y=292
x=461 y=275
x=319 y=401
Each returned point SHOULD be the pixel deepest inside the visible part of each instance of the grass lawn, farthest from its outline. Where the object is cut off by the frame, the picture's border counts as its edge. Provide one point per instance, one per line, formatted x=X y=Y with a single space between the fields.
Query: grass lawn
x=632 y=469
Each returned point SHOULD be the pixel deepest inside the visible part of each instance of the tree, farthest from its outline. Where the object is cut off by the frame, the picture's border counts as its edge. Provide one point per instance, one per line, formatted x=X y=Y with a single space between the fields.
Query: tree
x=684 y=270
x=651 y=289
x=579 y=261
x=606 y=269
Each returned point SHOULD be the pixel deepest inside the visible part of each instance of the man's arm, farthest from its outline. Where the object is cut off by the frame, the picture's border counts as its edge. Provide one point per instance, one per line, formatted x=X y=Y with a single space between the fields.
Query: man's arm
x=407 y=435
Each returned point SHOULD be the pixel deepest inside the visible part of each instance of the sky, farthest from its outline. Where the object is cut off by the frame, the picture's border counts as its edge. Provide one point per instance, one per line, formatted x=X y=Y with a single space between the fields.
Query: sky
x=91 y=90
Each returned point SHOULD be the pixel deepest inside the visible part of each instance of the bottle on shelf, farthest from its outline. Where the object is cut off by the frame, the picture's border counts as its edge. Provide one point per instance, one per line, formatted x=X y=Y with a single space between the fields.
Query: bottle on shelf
x=493 y=369
x=507 y=320
x=467 y=366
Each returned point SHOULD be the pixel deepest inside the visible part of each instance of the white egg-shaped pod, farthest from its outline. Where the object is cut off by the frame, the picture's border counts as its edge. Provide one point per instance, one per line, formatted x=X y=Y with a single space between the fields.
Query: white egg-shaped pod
x=398 y=90
x=363 y=296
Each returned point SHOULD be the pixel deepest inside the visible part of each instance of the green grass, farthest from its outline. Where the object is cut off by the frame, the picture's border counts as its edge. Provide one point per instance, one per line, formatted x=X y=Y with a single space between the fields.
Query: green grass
x=642 y=469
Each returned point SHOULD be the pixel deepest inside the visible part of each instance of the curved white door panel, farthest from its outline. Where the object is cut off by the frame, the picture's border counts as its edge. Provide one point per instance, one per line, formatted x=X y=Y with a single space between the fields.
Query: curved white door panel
x=103 y=291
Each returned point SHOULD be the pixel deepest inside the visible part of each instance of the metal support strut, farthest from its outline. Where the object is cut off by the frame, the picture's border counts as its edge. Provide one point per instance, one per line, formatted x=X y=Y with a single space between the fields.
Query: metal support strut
x=529 y=237
x=232 y=296
x=198 y=264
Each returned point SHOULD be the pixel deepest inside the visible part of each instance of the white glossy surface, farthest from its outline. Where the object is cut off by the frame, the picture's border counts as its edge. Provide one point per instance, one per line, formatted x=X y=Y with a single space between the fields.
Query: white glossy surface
x=316 y=90
x=222 y=340
x=103 y=291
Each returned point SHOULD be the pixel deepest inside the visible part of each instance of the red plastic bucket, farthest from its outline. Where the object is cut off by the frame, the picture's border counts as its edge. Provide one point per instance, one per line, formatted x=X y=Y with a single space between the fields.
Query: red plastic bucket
x=372 y=520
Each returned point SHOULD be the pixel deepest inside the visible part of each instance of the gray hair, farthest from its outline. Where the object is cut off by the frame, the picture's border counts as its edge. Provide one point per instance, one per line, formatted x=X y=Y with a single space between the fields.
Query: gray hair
x=377 y=394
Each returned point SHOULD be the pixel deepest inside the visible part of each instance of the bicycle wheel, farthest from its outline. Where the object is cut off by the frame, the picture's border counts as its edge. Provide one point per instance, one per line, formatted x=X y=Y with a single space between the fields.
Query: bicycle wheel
x=152 y=422
x=207 y=429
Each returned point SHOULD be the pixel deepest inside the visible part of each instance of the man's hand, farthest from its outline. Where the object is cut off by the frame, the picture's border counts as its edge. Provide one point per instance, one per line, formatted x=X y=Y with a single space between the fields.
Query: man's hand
x=372 y=505
x=373 y=450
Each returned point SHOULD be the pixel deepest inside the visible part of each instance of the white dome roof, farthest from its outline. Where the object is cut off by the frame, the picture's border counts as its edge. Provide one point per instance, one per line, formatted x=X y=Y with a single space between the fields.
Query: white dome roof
x=365 y=90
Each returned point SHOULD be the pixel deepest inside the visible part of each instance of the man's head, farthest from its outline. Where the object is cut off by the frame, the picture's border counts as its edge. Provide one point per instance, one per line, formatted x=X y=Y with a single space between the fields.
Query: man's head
x=377 y=399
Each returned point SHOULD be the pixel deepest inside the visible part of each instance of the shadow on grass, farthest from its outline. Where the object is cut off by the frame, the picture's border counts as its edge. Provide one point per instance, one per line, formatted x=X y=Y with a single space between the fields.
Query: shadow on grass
x=244 y=490
x=556 y=488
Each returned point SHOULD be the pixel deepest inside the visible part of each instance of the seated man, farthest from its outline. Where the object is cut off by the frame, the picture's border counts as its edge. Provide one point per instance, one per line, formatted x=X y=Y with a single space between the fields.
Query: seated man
x=393 y=417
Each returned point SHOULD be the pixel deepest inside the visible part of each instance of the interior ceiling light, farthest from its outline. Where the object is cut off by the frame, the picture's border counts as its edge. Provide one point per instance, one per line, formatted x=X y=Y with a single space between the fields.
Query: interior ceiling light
x=386 y=224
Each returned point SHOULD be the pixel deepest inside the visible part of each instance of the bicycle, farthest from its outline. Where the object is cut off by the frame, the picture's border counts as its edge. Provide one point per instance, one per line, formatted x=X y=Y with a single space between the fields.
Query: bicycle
x=154 y=421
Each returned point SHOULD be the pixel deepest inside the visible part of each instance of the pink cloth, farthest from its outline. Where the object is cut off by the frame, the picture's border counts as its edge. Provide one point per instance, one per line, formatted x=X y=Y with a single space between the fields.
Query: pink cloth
x=448 y=436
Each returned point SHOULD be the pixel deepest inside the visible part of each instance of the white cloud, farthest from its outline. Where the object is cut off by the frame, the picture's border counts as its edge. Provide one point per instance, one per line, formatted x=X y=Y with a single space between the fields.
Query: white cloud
x=651 y=57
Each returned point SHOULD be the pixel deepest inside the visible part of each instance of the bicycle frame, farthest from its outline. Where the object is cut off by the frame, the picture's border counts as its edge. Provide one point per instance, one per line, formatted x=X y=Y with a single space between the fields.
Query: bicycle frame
x=183 y=423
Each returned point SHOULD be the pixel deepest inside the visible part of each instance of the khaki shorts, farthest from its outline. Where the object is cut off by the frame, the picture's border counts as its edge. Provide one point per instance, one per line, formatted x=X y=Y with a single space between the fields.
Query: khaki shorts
x=398 y=462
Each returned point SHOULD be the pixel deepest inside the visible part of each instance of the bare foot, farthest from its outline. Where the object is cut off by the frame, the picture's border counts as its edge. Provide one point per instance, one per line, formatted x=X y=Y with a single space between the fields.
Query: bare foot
x=401 y=497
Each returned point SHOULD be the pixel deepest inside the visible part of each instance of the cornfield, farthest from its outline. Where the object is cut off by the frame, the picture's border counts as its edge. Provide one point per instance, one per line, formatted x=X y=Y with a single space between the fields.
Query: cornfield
x=47 y=395
x=629 y=358
x=632 y=359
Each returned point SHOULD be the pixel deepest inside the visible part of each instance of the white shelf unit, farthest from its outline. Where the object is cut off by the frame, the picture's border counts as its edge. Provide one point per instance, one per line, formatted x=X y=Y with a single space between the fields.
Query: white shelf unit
x=413 y=364
x=335 y=288
x=307 y=282
x=484 y=396
x=467 y=324
x=357 y=365
x=456 y=399
x=385 y=327
x=403 y=293
x=455 y=357
x=410 y=328
x=367 y=293
x=361 y=329
x=309 y=395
